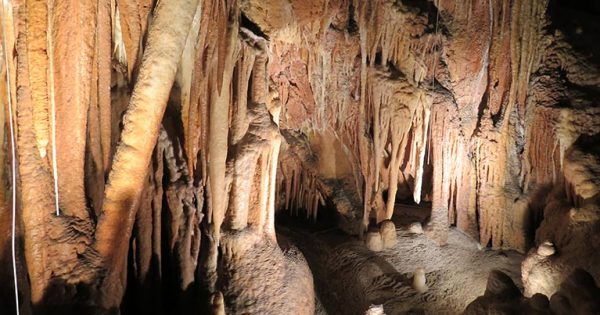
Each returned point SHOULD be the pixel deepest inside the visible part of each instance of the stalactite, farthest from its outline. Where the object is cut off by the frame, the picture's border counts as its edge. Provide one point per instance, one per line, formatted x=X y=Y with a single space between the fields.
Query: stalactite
x=36 y=48
x=246 y=167
x=200 y=89
x=98 y=141
x=422 y=126
x=406 y=47
x=438 y=223
x=52 y=101
x=207 y=138
x=404 y=118
x=104 y=43
x=363 y=149
x=391 y=34
x=225 y=58
x=185 y=78
x=166 y=41
x=299 y=185
x=34 y=242
x=51 y=242
x=543 y=163
x=72 y=24
x=119 y=50
x=146 y=259
x=133 y=17
x=7 y=118
x=487 y=133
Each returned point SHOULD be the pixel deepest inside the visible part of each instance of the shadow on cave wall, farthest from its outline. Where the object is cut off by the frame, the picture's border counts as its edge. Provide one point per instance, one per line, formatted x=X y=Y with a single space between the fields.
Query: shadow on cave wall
x=7 y=293
x=579 y=21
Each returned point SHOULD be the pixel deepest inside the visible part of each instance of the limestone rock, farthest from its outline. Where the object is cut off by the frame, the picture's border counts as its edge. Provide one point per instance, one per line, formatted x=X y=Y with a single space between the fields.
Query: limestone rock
x=503 y=297
x=546 y=249
x=578 y=294
x=501 y=286
x=415 y=228
x=387 y=229
x=375 y=310
x=218 y=304
x=373 y=241
x=419 y=281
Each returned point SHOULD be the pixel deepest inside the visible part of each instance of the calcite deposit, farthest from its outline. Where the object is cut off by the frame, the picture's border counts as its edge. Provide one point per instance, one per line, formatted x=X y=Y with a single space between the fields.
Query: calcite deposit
x=577 y=294
x=150 y=148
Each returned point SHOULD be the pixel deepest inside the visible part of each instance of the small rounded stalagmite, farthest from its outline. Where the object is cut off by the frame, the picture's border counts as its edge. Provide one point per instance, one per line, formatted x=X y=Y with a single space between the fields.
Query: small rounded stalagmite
x=546 y=249
x=415 y=228
x=387 y=229
x=419 y=281
x=373 y=241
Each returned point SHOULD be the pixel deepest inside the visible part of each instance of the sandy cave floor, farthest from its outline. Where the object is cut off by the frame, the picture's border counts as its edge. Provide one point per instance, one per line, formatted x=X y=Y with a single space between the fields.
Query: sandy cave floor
x=456 y=274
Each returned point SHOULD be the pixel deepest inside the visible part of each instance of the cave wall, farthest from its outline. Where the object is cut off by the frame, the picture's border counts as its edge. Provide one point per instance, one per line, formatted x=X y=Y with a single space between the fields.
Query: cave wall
x=155 y=141
x=467 y=104
x=146 y=161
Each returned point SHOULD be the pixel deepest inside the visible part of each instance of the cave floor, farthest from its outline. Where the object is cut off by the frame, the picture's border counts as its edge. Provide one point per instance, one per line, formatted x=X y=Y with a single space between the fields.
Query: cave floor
x=349 y=278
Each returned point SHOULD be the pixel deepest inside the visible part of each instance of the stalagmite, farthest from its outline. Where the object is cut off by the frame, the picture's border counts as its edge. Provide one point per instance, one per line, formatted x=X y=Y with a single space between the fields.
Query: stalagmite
x=419 y=281
x=546 y=249
x=373 y=241
x=388 y=233
x=375 y=310
x=415 y=228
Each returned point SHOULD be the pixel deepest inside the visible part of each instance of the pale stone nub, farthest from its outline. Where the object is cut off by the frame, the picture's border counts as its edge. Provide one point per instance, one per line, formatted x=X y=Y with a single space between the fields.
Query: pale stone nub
x=546 y=249
x=388 y=233
x=373 y=241
x=415 y=228
x=419 y=281
x=375 y=310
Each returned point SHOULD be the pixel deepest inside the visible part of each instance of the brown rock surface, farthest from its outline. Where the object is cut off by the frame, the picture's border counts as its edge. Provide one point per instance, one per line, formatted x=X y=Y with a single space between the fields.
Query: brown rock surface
x=577 y=294
x=155 y=141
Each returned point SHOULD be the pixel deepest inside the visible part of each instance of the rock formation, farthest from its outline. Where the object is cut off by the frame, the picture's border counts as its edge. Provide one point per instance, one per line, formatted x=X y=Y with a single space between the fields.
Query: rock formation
x=148 y=146
x=578 y=294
